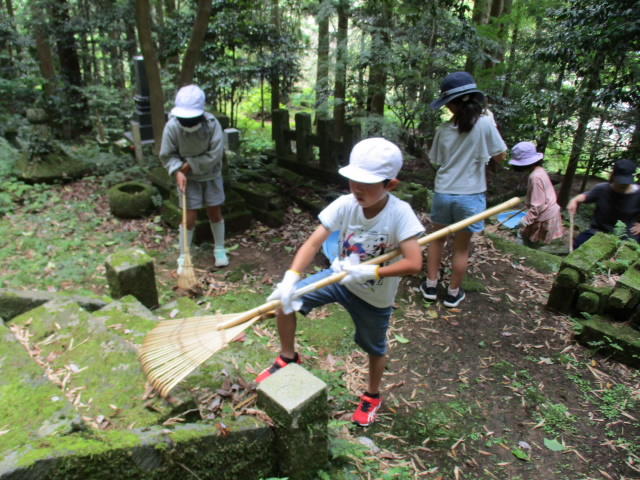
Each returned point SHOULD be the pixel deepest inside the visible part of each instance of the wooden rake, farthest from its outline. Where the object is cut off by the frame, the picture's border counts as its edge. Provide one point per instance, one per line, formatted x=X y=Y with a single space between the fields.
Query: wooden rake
x=175 y=348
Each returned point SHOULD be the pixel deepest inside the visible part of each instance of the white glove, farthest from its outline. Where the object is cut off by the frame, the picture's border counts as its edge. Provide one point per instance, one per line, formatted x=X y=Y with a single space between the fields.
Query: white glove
x=358 y=273
x=523 y=223
x=284 y=292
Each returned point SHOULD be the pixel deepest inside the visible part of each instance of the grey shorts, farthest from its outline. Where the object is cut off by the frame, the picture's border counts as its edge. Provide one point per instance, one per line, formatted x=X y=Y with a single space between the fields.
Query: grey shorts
x=209 y=193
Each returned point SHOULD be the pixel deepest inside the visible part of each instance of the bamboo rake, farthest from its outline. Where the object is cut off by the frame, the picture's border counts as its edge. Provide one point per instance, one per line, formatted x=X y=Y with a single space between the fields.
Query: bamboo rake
x=187 y=279
x=174 y=348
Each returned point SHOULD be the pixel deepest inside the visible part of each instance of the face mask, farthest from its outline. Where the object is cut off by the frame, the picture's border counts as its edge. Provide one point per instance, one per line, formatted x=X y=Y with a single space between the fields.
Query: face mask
x=192 y=129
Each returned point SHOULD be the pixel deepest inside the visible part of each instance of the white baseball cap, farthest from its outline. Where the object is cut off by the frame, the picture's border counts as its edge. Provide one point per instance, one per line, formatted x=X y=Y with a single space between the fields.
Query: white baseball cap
x=373 y=160
x=189 y=102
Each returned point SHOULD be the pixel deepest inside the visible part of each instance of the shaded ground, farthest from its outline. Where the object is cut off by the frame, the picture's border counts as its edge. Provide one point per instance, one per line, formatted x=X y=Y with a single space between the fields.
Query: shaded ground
x=494 y=389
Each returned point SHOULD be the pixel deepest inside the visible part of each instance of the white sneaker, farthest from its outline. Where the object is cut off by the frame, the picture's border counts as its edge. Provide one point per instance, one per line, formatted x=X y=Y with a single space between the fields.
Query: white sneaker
x=220 y=254
x=180 y=264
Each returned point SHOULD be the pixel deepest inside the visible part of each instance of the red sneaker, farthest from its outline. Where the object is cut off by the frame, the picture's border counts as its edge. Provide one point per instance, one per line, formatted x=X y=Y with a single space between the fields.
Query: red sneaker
x=367 y=411
x=277 y=365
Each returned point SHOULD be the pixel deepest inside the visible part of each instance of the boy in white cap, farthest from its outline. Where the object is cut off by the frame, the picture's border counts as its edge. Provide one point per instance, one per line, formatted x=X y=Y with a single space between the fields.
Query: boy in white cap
x=193 y=150
x=371 y=222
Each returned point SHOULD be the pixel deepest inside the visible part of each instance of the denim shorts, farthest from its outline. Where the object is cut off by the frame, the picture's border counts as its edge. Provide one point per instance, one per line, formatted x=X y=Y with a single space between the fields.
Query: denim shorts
x=371 y=322
x=448 y=208
x=209 y=193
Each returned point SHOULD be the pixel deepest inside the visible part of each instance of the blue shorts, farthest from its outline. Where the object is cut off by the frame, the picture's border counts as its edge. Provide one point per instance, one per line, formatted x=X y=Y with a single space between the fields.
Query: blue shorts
x=448 y=208
x=371 y=322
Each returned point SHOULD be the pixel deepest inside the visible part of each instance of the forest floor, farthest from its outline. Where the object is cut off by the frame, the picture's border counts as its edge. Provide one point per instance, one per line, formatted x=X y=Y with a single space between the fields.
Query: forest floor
x=494 y=389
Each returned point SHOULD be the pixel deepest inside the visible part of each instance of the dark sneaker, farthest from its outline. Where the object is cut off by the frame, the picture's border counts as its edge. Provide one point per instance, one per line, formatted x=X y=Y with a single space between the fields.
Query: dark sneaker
x=367 y=411
x=450 y=301
x=429 y=293
x=277 y=365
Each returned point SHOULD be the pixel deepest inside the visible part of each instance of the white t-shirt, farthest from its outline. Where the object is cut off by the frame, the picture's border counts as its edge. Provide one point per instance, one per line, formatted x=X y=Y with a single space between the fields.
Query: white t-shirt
x=463 y=156
x=371 y=237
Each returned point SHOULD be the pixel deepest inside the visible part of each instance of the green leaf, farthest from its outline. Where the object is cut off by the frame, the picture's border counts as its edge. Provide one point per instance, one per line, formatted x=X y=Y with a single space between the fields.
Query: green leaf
x=519 y=454
x=554 y=445
x=233 y=247
x=288 y=249
x=401 y=339
x=297 y=210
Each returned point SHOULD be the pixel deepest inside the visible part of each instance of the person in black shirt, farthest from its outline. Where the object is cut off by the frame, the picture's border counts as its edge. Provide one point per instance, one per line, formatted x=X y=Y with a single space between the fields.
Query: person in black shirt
x=618 y=200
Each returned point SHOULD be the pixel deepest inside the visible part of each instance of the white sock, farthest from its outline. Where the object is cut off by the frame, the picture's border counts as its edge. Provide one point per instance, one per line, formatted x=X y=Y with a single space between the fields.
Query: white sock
x=218 y=233
x=453 y=291
x=432 y=283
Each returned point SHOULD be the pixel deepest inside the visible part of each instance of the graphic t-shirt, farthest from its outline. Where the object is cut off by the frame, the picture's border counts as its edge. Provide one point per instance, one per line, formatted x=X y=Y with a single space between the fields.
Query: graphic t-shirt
x=371 y=237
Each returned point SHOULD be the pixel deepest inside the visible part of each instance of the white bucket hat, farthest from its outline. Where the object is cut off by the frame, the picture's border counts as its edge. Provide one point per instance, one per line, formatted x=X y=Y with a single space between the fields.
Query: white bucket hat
x=373 y=160
x=189 y=102
x=524 y=153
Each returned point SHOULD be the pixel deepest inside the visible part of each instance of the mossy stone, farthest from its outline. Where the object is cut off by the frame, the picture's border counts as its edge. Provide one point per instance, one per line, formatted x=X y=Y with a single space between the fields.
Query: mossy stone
x=131 y=199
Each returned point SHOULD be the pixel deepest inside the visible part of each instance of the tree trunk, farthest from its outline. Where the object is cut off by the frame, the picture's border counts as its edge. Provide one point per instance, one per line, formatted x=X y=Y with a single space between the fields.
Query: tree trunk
x=506 y=91
x=322 y=71
x=148 y=48
x=592 y=156
x=633 y=152
x=274 y=78
x=584 y=115
x=380 y=42
x=341 y=67
x=66 y=44
x=480 y=16
x=553 y=117
x=196 y=42
x=45 y=55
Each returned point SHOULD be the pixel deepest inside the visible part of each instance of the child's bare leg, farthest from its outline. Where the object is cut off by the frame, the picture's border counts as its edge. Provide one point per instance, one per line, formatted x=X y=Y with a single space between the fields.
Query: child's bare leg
x=461 y=244
x=434 y=255
x=376 y=369
x=287 y=331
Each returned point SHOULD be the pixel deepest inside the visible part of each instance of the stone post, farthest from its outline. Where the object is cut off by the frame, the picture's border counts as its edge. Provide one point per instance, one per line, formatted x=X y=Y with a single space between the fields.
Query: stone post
x=304 y=146
x=326 y=132
x=279 y=128
x=296 y=401
x=131 y=272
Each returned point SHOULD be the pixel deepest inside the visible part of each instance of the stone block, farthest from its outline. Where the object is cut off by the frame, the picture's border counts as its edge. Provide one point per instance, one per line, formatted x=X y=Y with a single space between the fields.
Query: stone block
x=592 y=299
x=622 y=298
x=588 y=302
x=414 y=194
x=564 y=290
x=612 y=339
x=16 y=302
x=630 y=280
x=584 y=259
x=296 y=401
x=232 y=139
x=131 y=272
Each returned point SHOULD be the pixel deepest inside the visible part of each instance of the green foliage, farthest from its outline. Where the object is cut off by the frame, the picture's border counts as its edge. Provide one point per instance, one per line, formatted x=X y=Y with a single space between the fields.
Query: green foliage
x=557 y=419
x=615 y=400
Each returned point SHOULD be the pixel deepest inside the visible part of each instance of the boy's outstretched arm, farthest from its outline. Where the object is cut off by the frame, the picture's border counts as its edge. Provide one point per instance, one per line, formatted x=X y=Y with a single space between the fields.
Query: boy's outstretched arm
x=410 y=264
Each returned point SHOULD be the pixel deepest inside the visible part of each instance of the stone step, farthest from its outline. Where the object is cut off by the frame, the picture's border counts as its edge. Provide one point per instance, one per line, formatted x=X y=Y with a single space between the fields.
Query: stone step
x=31 y=407
x=94 y=366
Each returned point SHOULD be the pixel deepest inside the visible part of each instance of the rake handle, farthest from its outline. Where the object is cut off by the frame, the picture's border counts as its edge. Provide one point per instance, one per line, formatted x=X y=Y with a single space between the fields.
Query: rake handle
x=336 y=277
x=184 y=221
